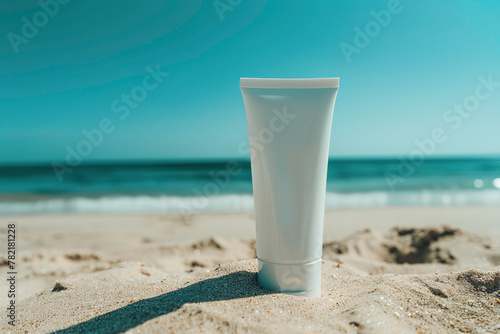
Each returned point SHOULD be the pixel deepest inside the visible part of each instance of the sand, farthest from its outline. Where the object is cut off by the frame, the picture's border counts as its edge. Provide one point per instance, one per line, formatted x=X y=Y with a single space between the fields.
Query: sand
x=169 y=274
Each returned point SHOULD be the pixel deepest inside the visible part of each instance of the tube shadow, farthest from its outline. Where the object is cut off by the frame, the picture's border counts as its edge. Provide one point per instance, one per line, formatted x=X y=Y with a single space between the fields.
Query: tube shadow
x=233 y=286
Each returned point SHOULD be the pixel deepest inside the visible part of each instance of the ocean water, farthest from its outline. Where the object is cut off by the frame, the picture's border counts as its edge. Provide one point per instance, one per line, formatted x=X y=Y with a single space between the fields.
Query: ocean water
x=227 y=186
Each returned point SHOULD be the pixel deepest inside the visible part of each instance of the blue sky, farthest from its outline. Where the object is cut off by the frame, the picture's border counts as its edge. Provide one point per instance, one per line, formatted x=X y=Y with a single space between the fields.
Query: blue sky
x=394 y=91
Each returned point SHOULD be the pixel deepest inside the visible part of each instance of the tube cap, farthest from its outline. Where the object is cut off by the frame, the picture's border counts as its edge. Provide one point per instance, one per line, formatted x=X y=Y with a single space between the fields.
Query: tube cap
x=300 y=279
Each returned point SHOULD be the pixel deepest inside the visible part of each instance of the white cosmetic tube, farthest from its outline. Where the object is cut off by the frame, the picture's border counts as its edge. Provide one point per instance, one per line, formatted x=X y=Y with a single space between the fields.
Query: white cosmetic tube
x=289 y=125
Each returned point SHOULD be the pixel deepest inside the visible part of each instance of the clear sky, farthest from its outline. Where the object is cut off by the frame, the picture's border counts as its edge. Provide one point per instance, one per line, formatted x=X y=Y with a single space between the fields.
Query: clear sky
x=67 y=68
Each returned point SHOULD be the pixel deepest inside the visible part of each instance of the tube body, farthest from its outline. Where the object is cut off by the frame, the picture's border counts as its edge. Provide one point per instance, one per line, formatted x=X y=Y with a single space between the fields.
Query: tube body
x=289 y=126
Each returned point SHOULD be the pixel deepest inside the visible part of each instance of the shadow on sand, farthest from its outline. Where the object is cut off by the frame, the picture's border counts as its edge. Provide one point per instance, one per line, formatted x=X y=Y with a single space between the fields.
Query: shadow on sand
x=236 y=285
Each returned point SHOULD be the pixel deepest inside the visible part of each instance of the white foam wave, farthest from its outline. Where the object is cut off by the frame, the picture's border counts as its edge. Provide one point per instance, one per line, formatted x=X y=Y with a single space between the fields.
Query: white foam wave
x=239 y=203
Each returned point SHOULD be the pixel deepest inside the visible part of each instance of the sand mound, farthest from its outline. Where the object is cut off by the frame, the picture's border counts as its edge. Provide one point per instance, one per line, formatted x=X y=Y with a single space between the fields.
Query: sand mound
x=136 y=297
x=414 y=250
x=40 y=268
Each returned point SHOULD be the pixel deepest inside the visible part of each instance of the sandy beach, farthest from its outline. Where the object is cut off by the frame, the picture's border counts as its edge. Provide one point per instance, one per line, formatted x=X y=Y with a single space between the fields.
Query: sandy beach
x=392 y=270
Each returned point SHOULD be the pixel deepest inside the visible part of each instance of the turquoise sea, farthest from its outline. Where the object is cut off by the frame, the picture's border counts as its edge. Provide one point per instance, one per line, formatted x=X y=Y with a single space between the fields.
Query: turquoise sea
x=187 y=187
